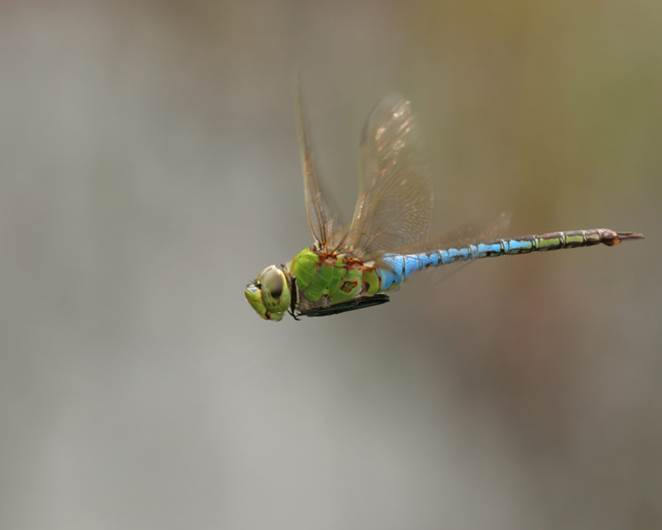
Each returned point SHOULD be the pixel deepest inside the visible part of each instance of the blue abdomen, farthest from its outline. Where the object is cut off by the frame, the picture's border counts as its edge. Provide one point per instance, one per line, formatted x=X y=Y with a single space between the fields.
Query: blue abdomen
x=398 y=267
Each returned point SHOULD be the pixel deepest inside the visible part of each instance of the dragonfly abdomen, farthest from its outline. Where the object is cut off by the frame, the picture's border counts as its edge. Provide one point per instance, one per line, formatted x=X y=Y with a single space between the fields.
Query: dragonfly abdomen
x=399 y=267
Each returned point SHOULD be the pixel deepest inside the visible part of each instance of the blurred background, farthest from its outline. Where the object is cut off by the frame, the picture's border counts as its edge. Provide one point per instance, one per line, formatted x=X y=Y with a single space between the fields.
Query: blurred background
x=149 y=169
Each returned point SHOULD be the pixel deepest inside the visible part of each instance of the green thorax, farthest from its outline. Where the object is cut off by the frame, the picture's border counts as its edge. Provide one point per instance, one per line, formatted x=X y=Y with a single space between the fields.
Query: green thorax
x=327 y=279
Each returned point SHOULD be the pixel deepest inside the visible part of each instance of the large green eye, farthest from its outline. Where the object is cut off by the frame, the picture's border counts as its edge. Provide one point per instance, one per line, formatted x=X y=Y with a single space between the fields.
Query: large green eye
x=273 y=281
x=270 y=294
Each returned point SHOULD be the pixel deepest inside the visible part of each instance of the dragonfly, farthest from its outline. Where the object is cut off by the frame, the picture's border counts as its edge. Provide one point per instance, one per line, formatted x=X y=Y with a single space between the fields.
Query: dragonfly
x=388 y=240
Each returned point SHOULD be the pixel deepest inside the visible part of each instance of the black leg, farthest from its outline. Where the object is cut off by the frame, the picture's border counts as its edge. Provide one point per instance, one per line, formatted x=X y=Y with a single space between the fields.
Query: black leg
x=352 y=305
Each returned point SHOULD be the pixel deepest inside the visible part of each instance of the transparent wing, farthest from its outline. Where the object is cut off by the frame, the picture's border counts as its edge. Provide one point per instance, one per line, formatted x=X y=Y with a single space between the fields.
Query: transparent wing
x=324 y=222
x=394 y=206
x=479 y=231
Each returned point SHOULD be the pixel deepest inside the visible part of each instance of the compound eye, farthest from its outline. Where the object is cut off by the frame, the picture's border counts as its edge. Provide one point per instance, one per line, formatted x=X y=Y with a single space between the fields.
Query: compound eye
x=272 y=280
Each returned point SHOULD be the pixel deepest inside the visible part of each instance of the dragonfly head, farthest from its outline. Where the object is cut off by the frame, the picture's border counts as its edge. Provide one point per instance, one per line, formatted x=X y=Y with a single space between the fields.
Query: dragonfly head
x=269 y=294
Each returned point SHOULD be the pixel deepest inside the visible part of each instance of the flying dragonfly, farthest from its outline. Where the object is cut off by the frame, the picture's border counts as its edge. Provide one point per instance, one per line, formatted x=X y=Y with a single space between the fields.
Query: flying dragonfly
x=388 y=239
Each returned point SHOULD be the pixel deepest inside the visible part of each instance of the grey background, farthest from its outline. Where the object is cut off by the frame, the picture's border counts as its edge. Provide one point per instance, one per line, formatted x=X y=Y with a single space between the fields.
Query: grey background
x=148 y=170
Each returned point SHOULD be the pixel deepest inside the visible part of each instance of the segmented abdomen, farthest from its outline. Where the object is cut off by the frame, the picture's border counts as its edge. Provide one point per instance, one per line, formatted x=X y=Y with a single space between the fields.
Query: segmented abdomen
x=402 y=266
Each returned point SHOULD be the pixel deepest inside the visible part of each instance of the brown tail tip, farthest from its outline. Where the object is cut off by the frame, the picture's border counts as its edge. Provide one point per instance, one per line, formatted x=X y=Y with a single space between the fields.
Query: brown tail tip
x=614 y=238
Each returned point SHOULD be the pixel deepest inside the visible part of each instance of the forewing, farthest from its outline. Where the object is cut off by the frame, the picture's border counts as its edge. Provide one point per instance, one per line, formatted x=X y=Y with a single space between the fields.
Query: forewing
x=324 y=222
x=394 y=206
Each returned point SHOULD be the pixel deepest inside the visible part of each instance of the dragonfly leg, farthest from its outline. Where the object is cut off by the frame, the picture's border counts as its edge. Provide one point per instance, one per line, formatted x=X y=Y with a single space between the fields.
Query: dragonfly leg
x=352 y=305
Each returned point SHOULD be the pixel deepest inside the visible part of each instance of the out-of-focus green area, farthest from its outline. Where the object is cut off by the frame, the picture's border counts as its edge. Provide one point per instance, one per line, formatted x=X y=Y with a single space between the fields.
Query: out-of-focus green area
x=149 y=169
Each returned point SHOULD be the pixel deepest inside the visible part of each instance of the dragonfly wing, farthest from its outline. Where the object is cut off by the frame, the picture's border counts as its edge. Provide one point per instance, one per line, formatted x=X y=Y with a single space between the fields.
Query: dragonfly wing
x=394 y=206
x=479 y=231
x=323 y=221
